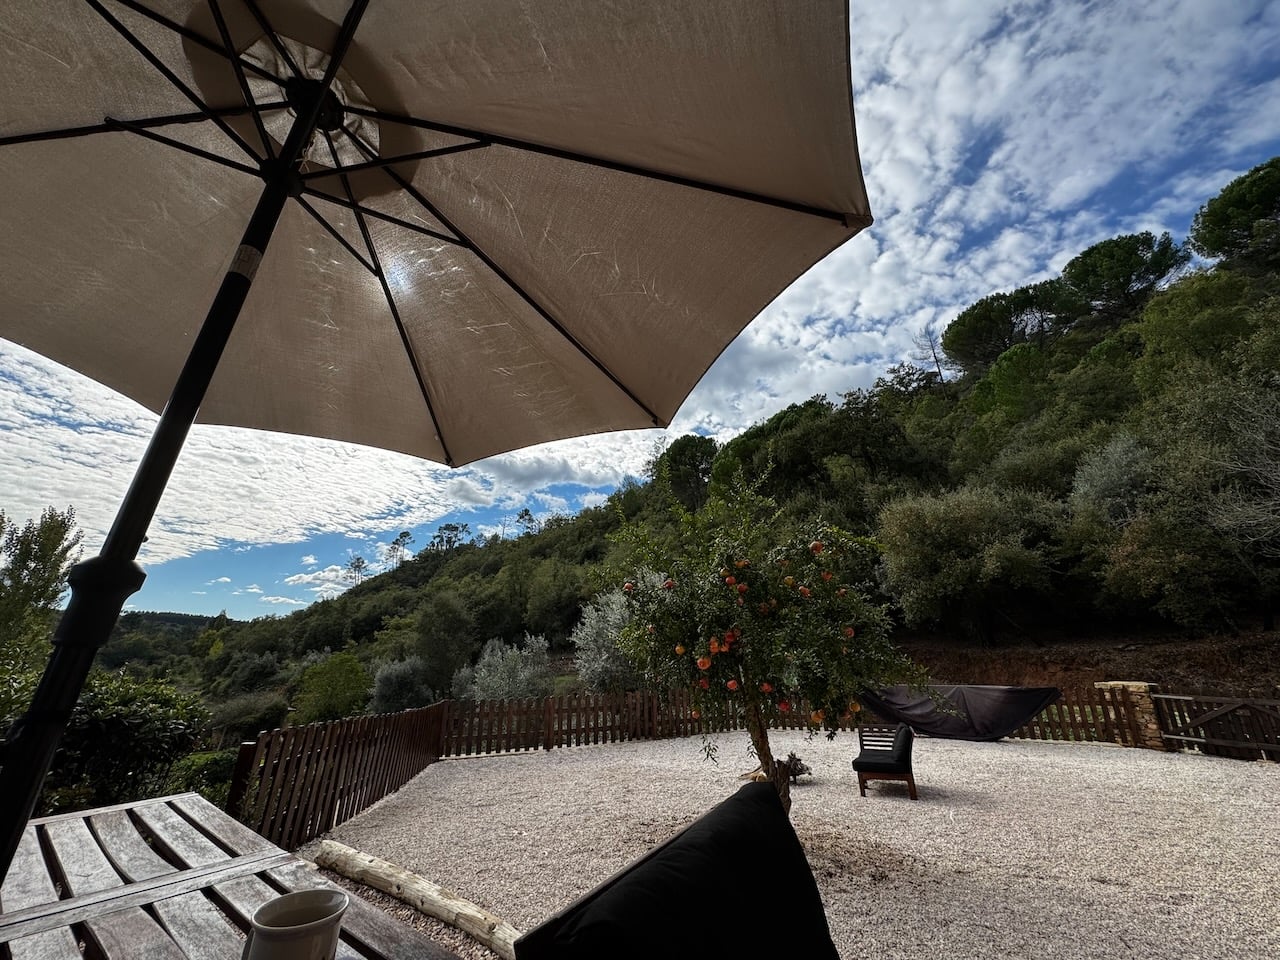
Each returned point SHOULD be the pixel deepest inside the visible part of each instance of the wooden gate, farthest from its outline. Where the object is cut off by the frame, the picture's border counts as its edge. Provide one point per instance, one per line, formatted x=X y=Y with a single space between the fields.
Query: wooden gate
x=1246 y=728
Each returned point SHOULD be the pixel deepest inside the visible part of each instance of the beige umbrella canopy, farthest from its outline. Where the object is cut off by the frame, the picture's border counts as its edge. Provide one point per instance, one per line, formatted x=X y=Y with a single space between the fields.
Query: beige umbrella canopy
x=449 y=228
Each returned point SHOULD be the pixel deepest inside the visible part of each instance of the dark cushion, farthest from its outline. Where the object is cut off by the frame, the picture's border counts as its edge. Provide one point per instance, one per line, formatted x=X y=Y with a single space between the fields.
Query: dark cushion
x=733 y=884
x=880 y=761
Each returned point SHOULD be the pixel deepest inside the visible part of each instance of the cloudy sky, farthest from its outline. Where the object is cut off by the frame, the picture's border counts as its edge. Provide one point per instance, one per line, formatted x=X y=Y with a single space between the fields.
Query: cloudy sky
x=998 y=140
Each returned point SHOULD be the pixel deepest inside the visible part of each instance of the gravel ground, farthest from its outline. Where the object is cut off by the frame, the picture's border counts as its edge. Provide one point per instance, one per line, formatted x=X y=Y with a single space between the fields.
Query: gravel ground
x=1018 y=849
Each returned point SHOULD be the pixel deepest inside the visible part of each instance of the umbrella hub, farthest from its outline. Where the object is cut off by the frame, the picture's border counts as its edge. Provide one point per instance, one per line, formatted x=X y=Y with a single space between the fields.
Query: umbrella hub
x=301 y=92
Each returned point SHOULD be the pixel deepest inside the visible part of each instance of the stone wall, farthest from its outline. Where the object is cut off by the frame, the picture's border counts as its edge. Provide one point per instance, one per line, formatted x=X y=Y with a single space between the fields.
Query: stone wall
x=1144 y=710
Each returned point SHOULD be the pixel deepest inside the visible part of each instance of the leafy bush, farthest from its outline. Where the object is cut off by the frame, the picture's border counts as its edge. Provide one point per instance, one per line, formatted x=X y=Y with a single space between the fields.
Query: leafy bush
x=244 y=717
x=602 y=666
x=336 y=687
x=505 y=672
x=122 y=738
x=208 y=773
x=401 y=685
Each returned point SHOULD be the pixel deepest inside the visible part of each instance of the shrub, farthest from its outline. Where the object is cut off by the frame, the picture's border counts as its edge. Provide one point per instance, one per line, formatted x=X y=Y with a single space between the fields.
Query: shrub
x=505 y=672
x=401 y=685
x=602 y=666
x=208 y=773
x=336 y=687
x=244 y=717
x=122 y=738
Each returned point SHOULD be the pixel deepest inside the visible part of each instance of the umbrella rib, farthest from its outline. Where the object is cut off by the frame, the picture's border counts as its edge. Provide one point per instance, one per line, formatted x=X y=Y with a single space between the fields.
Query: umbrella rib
x=166 y=121
x=333 y=232
x=272 y=36
x=216 y=9
x=113 y=124
x=848 y=219
x=391 y=304
x=196 y=38
x=169 y=75
x=389 y=161
x=388 y=218
x=506 y=278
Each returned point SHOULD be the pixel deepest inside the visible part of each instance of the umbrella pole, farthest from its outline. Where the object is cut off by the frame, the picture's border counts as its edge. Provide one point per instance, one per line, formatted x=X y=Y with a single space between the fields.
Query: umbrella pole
x=100 y=586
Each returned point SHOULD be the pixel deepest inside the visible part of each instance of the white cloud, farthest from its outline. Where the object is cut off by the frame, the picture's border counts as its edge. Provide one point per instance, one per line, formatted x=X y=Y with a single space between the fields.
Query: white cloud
x=327 y=582
x=220 y=580
x=289 y=601
x=309 y=560
x=253 y=588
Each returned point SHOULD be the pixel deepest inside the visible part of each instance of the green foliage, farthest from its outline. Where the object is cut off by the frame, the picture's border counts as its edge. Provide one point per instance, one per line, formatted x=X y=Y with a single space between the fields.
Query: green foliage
x=1242 y=223
x=122 y=737
x=207 y=772
x=34 y=561
x=1200 y=319
x=332 y=689
x=751 y=610
x=245 y=716
x=401 y=685
x=506 y=672
x=602 y=666
x=1118 y=276
x=685 y=467
x=974 y=559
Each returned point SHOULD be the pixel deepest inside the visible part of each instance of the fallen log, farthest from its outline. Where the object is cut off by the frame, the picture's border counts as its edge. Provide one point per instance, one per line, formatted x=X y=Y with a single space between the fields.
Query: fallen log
x=421 y=894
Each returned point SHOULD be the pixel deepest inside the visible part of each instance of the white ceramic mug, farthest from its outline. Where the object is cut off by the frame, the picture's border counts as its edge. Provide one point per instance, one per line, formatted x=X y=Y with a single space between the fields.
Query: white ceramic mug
x=303 y=925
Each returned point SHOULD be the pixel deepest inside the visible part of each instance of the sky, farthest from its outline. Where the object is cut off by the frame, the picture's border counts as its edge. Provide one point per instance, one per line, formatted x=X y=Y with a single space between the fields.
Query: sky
x=998 y=140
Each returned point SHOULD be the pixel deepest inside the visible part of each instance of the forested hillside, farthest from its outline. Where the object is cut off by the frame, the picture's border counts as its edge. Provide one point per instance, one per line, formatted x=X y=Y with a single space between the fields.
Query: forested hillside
x=1094 y=453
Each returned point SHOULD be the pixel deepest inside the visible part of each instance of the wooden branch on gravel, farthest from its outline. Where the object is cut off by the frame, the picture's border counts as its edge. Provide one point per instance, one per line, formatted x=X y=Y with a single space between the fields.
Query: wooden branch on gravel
x=421 y=894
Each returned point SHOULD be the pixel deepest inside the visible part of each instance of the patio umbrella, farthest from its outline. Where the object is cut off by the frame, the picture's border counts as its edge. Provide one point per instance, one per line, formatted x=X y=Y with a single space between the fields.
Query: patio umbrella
x=450 y=229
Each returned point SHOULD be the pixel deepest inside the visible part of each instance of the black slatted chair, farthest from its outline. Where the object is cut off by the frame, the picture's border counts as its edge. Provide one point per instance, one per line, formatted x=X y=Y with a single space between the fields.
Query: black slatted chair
x=885 y=754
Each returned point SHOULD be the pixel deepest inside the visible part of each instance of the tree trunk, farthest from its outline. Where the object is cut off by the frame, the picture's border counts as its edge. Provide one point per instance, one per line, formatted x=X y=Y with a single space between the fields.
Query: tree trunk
x=778 y=773
x=420 y=893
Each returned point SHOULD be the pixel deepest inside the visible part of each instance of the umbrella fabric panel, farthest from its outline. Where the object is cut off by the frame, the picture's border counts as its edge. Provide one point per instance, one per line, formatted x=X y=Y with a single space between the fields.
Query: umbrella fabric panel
x=577 y=298
x=111 y=259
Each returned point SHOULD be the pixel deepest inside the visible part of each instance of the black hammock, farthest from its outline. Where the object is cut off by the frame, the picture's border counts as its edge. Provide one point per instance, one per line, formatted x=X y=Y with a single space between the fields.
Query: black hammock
x=965 y=712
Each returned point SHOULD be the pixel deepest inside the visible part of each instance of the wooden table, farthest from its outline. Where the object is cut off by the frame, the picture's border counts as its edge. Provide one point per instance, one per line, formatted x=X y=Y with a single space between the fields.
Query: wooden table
x=169 y=878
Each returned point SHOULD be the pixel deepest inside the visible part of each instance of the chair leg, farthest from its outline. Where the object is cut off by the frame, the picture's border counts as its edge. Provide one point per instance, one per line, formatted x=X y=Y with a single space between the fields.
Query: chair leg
x=862 y=785
x=911 y=787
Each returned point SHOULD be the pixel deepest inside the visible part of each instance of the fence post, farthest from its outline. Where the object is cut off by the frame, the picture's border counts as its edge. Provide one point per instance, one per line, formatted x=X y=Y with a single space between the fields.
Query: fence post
x=1143 y=724
x=548 y=723
x=240 y=775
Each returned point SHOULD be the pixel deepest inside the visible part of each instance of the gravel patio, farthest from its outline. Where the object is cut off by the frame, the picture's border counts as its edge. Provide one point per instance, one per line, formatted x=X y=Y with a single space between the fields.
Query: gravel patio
x=1017 y=849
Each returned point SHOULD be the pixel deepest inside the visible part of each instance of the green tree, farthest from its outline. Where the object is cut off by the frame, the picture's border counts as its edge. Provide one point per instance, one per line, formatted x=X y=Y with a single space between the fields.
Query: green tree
x=332 y=689
x=506 y=672
x=401 y=685
x=685 y=466
x=34 y=561
x=974 y=559
x=1117 y=277
x=357 y=568
x=601 y=664
x=751 y=613
x=1242 y=223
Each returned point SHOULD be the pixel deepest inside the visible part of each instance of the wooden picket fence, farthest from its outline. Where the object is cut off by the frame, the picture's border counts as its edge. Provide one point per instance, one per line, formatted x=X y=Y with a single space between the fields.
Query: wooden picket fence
x=1222 y=725
x=294 y=784
x=1086 y=714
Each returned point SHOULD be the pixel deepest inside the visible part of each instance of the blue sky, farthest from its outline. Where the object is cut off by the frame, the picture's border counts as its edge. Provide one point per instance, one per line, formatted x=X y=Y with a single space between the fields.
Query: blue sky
x=997 y=140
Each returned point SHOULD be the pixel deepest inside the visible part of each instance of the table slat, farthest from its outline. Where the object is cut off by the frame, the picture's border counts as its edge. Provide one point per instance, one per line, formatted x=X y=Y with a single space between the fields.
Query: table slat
x=226 y=828
x=42 y=917
x=199 y=928
x=28 y=883
x=83 y=865
x=50 y=945
x=126 y=848
x=180 y=839
x=131 y=933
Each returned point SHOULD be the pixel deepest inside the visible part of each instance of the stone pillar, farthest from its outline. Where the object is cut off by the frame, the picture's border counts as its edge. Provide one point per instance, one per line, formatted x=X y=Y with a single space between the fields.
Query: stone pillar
x=1142 y=723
